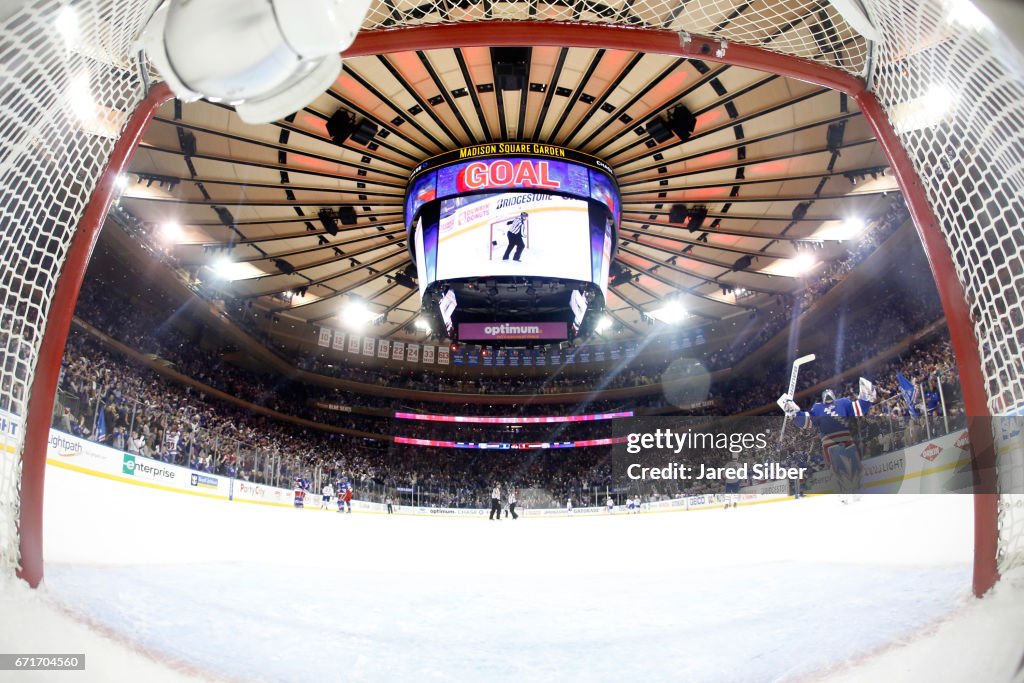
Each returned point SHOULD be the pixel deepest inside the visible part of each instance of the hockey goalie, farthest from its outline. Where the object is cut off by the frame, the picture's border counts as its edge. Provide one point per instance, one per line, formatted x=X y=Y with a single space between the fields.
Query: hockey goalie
x=834 y=419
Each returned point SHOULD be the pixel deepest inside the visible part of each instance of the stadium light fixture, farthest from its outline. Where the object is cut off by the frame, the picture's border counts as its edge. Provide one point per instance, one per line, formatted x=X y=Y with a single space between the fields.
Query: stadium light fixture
x=671 y=313
x=803 y=264
x=603 y=324
x=80 y=96
x=853 y=227
x=171 y=232
x=268 y=59
x=66 y=24
x=121 y=182
x=423 y=325
x=223 y=268
x=356 y=314
x=965 y=14
x=924 y=111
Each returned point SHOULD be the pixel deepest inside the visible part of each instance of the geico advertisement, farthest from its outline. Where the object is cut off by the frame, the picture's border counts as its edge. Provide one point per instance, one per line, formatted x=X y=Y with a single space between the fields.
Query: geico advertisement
x=769 y=488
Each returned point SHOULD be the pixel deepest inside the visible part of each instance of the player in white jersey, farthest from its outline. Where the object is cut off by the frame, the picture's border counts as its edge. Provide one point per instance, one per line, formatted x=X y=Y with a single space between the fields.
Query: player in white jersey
x=611 y=505
x=325 y=496
x=630 y=505
x=568 y=506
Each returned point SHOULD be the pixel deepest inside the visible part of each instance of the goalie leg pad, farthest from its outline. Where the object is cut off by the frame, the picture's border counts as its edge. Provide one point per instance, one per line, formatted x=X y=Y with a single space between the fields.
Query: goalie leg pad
x=845 y=463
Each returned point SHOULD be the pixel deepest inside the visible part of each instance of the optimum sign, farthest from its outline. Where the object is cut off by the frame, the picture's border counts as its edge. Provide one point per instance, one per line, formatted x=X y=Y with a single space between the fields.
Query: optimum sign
x=512 y=331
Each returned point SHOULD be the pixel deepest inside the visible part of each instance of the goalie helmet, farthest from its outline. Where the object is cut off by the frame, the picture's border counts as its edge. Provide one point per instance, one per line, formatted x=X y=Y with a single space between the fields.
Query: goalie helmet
x=828 y=396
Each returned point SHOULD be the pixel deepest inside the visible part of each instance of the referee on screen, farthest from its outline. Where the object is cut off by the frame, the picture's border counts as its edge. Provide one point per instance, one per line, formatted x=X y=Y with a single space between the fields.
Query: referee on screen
x=515 y=236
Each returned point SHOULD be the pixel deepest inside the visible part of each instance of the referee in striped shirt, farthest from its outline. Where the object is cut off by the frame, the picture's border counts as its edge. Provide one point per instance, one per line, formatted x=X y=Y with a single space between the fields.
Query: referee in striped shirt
x=515 y=236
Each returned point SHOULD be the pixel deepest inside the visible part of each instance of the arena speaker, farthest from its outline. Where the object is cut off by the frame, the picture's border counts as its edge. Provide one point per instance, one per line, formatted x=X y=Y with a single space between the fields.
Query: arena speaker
x=347 y=215
x=834 y=136
x=284 y=266
x=511 y=67
x=695 y=218
x=657 y=129
x=364 y=132
x=341 y=125
x=327 y=220
x=682 y=122
x=678 y=213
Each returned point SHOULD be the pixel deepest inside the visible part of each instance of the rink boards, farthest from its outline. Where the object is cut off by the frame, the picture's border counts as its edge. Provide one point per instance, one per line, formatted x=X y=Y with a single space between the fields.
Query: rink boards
x=940 y=465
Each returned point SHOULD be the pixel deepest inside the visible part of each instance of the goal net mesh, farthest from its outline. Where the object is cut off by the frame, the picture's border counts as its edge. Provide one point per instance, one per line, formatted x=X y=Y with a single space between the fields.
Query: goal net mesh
x=68 y=87
x=952 y=89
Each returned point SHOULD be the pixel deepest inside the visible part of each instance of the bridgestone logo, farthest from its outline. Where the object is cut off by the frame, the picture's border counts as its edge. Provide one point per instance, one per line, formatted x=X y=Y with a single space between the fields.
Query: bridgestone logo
x=505 y=328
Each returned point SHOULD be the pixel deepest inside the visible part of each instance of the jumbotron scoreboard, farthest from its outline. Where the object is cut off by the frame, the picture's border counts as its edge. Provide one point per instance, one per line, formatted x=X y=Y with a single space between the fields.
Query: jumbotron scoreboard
x=512 y=241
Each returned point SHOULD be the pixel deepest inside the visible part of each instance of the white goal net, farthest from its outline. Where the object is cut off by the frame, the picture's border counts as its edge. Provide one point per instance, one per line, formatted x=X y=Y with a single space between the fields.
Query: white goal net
x=952 y=89
x=67 y=86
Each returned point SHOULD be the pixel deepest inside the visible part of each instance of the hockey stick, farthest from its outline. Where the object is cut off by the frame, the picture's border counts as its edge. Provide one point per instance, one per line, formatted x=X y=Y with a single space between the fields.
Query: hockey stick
x=792 y=386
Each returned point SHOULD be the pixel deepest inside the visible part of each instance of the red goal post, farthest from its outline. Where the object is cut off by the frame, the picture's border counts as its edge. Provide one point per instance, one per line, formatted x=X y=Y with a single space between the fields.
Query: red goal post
x=69 y=237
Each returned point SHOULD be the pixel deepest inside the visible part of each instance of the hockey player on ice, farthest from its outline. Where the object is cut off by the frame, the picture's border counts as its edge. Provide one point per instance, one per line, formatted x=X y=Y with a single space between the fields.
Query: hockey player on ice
x=568 y=506
x=833 y=418
x=611 y=505
x=325 y=496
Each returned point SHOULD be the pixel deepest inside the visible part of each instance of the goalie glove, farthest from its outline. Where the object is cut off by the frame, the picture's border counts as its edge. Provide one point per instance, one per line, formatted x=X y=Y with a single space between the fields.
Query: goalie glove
x=789 y=407
x=867 y=391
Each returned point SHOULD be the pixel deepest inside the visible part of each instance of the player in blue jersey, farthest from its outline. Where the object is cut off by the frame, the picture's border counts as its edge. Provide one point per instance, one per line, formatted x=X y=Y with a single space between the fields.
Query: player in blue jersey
x=834 y=419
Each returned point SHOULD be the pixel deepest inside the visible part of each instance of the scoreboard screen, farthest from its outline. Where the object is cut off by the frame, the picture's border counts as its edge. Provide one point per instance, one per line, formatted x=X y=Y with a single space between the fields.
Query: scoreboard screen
x=529 y=167
x=512 y=210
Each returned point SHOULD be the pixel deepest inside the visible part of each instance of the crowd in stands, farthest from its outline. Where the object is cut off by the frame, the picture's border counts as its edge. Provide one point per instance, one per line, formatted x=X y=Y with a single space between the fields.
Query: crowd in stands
x=141 y=411
x=111 y=312
x=132 y=408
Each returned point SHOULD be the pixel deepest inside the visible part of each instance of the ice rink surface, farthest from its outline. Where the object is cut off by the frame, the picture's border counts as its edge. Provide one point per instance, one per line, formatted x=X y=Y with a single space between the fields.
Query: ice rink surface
x=162 y=586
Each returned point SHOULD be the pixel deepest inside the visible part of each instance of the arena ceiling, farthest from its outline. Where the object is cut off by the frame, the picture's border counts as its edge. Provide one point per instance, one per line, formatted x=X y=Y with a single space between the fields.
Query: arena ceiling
x=759 y=161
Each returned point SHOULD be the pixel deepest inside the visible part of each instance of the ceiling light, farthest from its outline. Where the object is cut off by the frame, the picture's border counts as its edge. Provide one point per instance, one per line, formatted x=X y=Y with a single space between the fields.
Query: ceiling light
x=603 y=324
x=925 y=111
x=853 y=227
x=803 y=263
x=80 y=97
x=66 y=24
x=422 y=324
x=964 y=13
x=223 y=268
x=171 y=232
x=356 y=314
x=121 y=182
x=671 y=313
